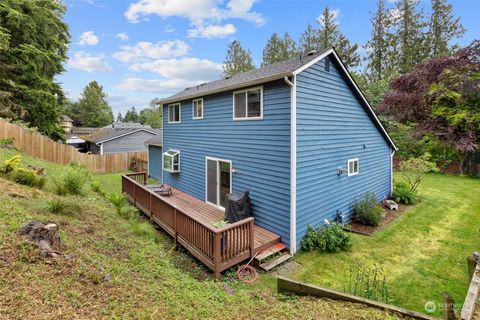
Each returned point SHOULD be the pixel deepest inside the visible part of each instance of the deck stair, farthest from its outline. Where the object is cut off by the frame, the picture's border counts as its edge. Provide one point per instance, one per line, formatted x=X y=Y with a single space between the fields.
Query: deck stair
x=271 y=257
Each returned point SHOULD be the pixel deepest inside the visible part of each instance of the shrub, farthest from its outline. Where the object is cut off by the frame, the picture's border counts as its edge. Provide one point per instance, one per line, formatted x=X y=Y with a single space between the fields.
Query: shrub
x=74 y=178
x=127 y=211
x=7 y=142
x=332 y=238
x=310 y=240
x=402 y=193
x=117 y=199
x=329 y=238
x=59 y=187
x=10 y=165
x=412 y=170
x=56 y=206
x=59 y=206
x=366 y=210
x=28 y=177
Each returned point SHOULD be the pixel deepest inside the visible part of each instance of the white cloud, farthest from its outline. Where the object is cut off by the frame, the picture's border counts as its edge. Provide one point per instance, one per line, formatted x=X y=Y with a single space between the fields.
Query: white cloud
x=184 y=68
x=89 y=62
x=122 y=36
x=335 y=14
x=169 y=28
x=197 y=11
x=148 y=50
x=155 y=85
x=88 y=38
x=212 y=31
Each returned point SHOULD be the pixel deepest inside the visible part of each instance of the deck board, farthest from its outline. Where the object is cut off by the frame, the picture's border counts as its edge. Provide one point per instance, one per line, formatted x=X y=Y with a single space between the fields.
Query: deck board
x=210 y=214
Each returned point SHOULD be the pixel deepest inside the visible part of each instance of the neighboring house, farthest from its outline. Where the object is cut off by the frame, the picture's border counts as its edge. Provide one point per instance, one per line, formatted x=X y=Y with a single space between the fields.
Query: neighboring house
x=154 y=145
x=118 y=138
x=298 y=134
x=77 y=143
x=66 y=124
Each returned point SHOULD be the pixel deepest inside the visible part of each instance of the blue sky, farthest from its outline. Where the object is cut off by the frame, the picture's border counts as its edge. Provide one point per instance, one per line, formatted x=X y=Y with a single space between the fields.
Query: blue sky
x=142 y=49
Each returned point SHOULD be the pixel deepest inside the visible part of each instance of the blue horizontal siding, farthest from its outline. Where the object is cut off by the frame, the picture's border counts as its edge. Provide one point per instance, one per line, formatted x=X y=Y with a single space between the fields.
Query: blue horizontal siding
x=155 y=162
x=333 y=127
x=258 y=149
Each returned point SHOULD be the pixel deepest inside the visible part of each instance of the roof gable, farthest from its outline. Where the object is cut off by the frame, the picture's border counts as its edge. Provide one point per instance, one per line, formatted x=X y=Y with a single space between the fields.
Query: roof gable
x=107 y=134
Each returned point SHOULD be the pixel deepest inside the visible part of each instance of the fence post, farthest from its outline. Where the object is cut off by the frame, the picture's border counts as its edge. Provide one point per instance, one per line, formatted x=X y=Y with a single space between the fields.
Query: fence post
x=448 y=303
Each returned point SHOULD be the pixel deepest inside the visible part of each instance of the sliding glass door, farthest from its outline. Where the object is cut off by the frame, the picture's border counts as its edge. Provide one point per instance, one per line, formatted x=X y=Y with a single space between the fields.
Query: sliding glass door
x=218 y=180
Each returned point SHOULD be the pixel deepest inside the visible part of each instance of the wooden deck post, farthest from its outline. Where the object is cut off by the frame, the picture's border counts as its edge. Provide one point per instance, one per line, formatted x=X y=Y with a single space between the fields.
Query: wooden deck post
x=150 y=205
x=175 y=225
x=134 y=198
x=252 y=238
x=217 y=255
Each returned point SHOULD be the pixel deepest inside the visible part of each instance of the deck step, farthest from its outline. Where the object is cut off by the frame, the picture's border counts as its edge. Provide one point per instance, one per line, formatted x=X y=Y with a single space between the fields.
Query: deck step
x=277 y=247
x=275 y=262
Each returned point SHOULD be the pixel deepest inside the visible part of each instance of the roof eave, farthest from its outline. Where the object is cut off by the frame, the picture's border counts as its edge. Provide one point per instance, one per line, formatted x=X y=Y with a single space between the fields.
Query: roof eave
x=227 y=88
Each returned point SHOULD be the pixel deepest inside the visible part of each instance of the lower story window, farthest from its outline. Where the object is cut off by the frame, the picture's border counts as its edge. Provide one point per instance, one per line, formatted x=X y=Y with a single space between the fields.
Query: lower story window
x=171 y=161
x=352 y=167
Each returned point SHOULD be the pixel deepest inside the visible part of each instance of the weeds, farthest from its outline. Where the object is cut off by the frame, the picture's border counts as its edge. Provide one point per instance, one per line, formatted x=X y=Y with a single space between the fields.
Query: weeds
x=368 y=282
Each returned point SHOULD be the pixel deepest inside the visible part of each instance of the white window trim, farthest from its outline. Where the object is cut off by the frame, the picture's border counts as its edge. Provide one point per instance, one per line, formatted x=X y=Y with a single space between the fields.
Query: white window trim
x=179 y=159
x=246 y=104
x=348 y=167
x=193 y=109
x=179 y=112
x=218 y=179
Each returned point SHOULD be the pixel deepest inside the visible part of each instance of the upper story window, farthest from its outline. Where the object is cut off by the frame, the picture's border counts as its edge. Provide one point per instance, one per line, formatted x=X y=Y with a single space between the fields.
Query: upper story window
x=248 y=104
x=352 y=167
x=197 y=109
x=174 y=113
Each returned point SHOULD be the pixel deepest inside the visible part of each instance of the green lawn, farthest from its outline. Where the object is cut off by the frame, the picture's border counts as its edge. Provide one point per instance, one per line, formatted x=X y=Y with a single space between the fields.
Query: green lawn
x=124 y=269
x=423 y=252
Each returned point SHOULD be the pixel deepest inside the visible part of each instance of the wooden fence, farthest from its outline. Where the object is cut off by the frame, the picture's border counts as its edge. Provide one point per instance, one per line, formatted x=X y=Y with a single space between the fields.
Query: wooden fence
x=39 y=146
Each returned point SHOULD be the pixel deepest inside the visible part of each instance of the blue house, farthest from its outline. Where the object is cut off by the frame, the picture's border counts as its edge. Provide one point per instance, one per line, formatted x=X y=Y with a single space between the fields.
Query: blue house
x=298 y=134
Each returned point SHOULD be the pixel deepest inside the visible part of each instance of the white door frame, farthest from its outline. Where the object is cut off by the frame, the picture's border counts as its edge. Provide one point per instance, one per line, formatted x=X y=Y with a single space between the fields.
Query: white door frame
x=218 y=180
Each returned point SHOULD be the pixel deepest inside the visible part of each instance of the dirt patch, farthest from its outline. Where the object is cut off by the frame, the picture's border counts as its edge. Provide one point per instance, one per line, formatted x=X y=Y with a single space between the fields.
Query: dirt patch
x=391 y=215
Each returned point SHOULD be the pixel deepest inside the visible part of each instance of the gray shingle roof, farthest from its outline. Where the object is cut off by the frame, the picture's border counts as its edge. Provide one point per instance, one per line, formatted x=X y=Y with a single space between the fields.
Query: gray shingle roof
x=155 y=140
x=110 y=133
x=271 y=72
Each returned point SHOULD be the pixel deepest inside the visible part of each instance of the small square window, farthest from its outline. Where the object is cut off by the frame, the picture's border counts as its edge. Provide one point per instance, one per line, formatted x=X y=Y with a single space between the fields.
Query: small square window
x=174 y=113
x=171 y=161
x=352 y=167
x=197 y=109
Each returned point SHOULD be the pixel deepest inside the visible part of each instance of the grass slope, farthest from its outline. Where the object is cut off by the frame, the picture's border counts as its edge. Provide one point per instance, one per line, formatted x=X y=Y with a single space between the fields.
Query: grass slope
x=423 y=252
x=121 y=269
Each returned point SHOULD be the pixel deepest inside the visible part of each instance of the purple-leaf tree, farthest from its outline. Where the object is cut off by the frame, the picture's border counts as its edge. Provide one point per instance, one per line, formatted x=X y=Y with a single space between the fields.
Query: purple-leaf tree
x=441 y=97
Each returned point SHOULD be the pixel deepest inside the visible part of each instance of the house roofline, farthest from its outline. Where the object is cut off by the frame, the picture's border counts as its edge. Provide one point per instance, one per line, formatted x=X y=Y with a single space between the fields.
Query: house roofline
x=122 y=135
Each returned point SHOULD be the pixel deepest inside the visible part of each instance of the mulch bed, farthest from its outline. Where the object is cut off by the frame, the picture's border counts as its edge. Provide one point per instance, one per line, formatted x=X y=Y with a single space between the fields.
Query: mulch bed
x=356 y=227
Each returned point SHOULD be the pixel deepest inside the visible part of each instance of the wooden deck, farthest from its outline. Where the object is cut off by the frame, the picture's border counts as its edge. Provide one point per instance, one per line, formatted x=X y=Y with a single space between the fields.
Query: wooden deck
x=190 y=221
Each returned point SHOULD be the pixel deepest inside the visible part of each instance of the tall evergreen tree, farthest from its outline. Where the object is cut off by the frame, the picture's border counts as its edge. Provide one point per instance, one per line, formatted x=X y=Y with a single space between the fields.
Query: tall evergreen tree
x=93 y=108
x=443 y=27
x=33 y=46
x=278 y=49
x=377 y=47
x=309 y=39
x=131 y=115
x=328 y=35
x=119 y=116
x=408 y=35
x=237 y=59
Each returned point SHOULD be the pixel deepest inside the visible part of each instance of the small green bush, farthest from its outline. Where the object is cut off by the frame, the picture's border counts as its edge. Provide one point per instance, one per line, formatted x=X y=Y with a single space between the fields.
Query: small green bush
x=402 y=193
x=56 y=206
x=332 y=238
x=74 y=178
x=59 y=187
x=310 y=240
x=127 y=212
x=366 y=210
x=329 y=238
x=10 y=165
x=28 y=177
x=117 y=199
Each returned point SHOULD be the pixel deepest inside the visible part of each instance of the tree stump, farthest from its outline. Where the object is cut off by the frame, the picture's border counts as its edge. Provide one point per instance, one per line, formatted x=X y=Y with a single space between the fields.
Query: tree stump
x=45 y=235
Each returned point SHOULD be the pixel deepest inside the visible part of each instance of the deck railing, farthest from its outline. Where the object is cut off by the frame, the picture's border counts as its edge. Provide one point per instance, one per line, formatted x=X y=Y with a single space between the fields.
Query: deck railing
x=217 y=248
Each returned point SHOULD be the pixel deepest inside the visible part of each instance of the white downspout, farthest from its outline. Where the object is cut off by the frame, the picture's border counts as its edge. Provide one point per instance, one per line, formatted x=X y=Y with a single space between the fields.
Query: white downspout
x=391 y=171
x=293 y=163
